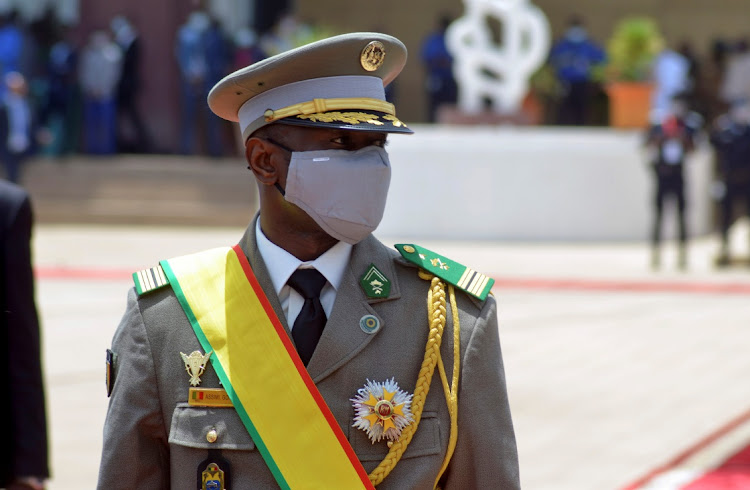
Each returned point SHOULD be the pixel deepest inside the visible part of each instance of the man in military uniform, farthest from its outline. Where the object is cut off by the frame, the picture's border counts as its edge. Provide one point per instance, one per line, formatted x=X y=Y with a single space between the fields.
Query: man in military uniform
x=316 y=357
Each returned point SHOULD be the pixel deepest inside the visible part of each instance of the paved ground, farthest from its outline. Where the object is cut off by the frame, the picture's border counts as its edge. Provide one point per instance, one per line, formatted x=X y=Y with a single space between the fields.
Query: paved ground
x=612 y=368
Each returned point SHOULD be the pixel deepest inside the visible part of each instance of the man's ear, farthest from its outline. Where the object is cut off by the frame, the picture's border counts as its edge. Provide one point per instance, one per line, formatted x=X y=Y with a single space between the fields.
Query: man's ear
x=262 y=160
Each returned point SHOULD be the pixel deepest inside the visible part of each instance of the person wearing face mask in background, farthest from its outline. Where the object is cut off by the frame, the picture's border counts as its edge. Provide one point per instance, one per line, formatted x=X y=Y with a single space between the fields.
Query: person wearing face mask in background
x=316 y=356
x=574 y=59
x=730 y=138
x=193 y=63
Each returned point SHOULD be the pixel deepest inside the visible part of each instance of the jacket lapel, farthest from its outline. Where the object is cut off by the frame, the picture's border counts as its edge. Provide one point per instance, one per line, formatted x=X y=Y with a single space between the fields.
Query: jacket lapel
x=343 y=338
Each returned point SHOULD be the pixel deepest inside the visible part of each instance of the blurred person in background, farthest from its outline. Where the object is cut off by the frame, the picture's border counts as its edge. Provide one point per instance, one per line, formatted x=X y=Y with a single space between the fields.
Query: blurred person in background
x=694 y=75
x=218 y=62
x=99 y=74
x=285 y=34
x=670 y=74
x=438 y=63
x=713 y=78
x=671 y=138
x=39 y=36
x=131 y=132
x=735 y=85
x=192 y=61
x=17 y=128
x=60 y=113
x=11 y=41
x=730 y=138
x=246 y=49
x=24 y=465
x=574 y=58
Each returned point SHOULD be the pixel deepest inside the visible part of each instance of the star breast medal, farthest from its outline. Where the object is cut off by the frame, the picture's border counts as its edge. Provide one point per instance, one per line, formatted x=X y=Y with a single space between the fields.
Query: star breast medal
x=382 y=410
x=195 y=364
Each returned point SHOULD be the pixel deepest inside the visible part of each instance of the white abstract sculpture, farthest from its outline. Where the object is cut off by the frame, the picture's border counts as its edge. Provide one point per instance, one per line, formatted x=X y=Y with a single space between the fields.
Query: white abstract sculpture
x=498 y=72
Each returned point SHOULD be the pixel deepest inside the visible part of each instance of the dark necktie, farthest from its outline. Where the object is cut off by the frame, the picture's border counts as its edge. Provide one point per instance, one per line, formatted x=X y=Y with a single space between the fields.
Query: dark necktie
x=311 y=319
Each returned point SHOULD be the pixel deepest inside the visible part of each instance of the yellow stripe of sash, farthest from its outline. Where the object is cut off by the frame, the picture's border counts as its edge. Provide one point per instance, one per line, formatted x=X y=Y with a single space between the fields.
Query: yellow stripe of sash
x=299 y=438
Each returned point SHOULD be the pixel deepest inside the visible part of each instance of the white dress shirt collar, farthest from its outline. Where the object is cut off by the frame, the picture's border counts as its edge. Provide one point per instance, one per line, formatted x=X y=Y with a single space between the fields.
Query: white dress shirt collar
x=281 y=264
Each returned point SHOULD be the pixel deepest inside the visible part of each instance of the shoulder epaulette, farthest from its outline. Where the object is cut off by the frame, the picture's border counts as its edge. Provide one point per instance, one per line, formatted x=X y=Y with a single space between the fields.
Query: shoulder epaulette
x=464 y=278
x=149 y=280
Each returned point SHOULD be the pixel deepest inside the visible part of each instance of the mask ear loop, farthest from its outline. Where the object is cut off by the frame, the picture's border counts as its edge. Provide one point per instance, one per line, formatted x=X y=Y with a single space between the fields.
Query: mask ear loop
x=283 y=147
x=277 y=185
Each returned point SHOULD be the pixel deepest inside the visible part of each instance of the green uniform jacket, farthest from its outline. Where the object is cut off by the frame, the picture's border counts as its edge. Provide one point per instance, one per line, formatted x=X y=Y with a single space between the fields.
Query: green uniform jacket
x=153 y=439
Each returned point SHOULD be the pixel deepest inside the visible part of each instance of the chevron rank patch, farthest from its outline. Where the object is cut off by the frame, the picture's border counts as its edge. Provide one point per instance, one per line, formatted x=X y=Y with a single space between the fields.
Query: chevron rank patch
x=149 y=280
x=374 y=283
x=464 y=278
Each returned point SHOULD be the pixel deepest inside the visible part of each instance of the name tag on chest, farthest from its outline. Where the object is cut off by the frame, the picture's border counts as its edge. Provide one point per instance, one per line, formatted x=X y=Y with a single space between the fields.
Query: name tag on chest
x=209 y=397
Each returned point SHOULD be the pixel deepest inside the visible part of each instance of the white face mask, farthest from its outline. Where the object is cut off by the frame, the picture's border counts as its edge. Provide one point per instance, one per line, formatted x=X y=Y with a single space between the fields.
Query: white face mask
x=343 y=191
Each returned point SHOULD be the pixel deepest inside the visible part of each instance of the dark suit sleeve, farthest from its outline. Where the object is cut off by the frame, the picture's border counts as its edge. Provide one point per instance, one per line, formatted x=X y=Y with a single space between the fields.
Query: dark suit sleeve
x=135 y=452
x=486 y=454
x=29 y=426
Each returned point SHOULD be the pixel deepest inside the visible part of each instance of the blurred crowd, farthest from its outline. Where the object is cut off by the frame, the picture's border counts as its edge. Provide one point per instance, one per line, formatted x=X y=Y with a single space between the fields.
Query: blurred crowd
x=58 y=98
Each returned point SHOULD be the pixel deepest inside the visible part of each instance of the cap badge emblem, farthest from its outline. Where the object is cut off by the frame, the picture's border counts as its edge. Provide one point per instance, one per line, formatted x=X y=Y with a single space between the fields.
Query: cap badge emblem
x=372 y=56
x=195 y=364
x=382 y=410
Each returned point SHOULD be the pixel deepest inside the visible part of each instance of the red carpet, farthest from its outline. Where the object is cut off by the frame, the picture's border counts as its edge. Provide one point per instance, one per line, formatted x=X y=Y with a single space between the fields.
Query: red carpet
x=717 y=462
x=734 y=473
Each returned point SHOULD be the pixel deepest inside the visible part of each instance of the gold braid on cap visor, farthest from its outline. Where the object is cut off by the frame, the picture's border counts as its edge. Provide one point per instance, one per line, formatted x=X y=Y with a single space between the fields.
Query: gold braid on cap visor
x=324 y=105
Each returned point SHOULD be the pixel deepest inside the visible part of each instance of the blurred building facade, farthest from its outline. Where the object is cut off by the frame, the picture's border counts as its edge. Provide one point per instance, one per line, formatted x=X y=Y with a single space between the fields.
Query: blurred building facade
x=697 y=21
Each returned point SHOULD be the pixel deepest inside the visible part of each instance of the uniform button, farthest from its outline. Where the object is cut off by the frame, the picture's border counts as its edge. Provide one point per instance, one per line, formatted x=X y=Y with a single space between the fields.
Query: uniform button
x=212 y=435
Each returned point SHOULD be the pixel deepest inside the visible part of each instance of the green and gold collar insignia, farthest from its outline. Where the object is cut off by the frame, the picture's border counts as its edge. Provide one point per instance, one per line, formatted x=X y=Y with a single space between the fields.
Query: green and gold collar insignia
x=464 y=278
x=374 y=283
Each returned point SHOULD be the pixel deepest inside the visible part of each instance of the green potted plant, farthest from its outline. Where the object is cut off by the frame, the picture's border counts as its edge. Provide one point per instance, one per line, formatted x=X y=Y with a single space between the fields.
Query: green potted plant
x=631 y=50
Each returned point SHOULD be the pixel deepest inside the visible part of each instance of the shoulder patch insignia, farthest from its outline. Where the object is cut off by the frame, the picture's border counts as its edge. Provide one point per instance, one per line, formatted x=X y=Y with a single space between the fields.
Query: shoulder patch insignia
x=149 y=280
x=464 y=278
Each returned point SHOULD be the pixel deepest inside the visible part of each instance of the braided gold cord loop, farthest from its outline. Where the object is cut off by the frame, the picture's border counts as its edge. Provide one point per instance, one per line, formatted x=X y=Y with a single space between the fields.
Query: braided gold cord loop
x=451 y=393
x=436 y=308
